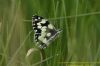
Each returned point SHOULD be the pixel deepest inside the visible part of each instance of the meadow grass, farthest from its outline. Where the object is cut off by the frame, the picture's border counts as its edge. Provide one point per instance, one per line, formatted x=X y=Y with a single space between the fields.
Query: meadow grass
x=77 y=45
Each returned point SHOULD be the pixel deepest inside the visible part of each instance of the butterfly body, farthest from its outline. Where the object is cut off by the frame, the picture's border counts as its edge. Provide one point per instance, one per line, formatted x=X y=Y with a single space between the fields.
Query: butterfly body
x=44 y=31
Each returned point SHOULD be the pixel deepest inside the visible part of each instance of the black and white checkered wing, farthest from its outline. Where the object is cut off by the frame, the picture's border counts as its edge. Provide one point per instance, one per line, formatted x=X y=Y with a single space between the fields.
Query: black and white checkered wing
x=44 y=31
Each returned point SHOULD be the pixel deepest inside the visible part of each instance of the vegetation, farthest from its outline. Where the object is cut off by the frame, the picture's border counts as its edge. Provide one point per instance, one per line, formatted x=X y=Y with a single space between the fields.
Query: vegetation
x=77 y=45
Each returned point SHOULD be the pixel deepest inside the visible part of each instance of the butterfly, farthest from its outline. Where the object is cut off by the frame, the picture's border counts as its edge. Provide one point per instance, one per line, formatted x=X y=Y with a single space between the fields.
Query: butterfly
x=44 y=32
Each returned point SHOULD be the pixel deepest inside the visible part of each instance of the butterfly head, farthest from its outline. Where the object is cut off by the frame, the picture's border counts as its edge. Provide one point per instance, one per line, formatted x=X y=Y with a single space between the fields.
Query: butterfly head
x=37 y=18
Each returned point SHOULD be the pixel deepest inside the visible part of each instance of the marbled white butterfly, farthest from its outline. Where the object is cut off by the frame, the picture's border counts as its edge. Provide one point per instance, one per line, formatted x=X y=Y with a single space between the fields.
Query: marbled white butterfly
x=44 y=32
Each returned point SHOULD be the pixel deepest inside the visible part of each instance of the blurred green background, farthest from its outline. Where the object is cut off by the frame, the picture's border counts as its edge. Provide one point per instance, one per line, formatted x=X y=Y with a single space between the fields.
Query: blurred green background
x=77 y=45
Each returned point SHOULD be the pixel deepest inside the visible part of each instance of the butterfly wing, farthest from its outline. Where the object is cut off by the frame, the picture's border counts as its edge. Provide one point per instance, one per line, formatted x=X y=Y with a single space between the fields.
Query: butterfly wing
x=44 y=31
